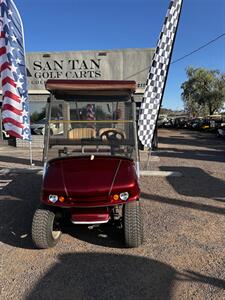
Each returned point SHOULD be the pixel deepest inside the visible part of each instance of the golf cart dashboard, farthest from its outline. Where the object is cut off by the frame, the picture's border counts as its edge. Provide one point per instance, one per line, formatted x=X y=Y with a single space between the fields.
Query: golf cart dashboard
x=110 y=141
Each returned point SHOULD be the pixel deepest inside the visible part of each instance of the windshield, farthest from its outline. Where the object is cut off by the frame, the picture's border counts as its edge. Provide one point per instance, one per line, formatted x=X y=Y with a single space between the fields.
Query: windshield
x=81 y=127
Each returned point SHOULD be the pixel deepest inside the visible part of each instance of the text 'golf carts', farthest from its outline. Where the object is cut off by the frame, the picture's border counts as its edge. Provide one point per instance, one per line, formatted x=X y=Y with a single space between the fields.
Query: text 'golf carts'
x=92 y=162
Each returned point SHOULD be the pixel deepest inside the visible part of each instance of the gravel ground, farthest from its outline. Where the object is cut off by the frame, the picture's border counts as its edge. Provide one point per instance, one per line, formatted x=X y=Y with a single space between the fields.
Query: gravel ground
x=183 y=254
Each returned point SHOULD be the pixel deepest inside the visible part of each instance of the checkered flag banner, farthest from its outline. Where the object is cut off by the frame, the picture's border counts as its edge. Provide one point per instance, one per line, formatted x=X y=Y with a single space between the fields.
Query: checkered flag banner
x=157 y=75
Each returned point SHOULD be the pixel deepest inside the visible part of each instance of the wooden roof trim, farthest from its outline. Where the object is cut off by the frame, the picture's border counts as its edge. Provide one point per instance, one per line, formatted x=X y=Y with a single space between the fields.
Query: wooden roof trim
x=91 y=85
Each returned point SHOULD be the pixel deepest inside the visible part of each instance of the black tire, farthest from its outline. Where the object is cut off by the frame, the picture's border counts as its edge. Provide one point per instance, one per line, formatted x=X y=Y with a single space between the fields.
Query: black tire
x=45 y=230
x=133 y=226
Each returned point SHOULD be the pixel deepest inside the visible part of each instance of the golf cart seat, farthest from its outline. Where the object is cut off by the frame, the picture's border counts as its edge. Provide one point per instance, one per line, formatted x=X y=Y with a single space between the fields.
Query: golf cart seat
x=81 y=133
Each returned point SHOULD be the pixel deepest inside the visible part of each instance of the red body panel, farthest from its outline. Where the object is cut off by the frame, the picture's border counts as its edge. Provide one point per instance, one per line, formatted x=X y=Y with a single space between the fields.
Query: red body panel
x=90 y=183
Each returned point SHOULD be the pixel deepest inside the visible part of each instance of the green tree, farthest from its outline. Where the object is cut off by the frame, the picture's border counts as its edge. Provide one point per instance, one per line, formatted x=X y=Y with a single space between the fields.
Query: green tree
x=36 y=116
x=204 y=91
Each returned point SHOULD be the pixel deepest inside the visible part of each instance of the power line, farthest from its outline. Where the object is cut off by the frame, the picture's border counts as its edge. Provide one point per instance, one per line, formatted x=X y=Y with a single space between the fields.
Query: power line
x=198 y=49
x=186 y=55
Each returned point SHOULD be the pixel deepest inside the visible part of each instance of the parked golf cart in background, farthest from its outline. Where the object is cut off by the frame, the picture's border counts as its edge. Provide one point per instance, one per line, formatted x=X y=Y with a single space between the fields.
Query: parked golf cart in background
x=92 y=167
x=3 y=134
x=221 y=130
x=38 y=127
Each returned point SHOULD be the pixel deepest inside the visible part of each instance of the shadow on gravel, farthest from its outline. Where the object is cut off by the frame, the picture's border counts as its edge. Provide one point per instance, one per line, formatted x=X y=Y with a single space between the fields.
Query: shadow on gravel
x=197 y=277
x=105 y=276
x=18 y=201
x=207 y=155
x=197 y=139
x=196 y=183
x=183 y=203
x=18 y=160
x=106 y=235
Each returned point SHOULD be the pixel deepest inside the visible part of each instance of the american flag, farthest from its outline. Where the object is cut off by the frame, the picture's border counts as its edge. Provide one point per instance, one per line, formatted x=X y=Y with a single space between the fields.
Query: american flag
x=15 y=108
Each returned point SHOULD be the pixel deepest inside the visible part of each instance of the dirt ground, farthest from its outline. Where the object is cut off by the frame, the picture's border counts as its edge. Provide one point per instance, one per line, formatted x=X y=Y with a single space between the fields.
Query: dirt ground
x=183 y=255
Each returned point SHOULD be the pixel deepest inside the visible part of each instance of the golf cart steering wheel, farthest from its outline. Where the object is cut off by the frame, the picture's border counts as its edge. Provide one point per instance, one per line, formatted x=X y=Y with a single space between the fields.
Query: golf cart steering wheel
x=112 y=135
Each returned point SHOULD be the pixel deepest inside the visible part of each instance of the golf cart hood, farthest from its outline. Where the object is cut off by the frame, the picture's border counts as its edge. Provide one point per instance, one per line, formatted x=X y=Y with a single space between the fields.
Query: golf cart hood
x=90 y=178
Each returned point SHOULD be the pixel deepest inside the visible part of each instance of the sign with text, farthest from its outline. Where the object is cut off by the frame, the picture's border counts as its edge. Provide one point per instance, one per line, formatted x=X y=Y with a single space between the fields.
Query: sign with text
x=127 y=64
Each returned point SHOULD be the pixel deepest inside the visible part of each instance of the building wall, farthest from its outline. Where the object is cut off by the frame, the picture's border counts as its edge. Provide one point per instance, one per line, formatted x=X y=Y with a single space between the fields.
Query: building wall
x=130 y=64
x=121 y=64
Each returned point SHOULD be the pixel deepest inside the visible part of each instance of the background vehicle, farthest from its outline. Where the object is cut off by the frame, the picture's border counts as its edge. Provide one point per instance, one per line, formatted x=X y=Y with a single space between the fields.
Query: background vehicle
x=38 y=127
x=180 y=122
x=3 y=134
x=221 y=130
x=92 y=166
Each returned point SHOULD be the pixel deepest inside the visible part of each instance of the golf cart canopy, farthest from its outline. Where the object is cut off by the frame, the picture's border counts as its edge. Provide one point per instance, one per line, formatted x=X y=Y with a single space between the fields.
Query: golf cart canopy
x=91 y=87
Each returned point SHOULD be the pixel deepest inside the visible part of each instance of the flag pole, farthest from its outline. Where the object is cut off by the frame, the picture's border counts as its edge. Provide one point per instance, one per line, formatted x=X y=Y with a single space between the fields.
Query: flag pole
x=30 y=152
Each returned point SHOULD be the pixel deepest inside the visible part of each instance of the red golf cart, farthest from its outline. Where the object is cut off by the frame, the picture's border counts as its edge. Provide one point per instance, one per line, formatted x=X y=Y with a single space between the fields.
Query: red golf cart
x=91 y=166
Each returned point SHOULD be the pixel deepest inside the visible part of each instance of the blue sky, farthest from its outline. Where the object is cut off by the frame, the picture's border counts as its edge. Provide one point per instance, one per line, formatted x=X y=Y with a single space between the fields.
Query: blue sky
x=56 y=25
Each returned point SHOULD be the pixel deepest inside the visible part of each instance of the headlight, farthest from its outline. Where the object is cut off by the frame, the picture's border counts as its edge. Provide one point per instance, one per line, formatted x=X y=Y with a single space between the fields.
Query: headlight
x=53 y=198
x=124 y=196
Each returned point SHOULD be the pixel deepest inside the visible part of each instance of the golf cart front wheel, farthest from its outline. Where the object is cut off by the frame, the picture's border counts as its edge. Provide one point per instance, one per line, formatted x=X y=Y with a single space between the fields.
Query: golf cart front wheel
x=133 y=226
x=45 y=229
